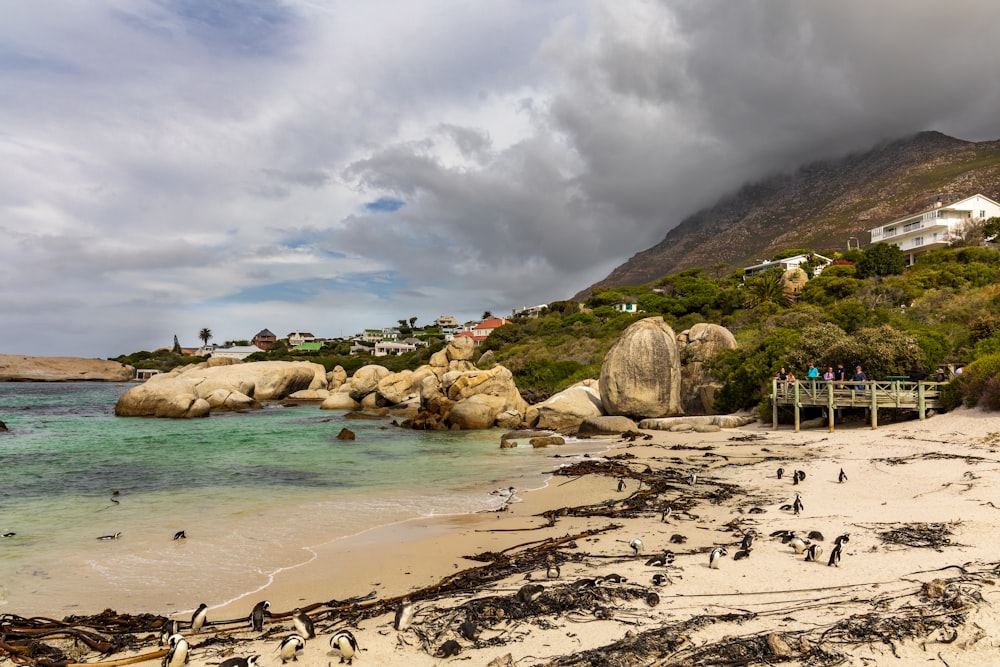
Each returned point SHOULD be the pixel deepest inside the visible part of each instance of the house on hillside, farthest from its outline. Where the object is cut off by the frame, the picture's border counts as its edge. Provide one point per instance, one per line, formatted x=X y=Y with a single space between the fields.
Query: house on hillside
x=789 y=263
x=296 y=338
x=630 y=306
x=240 y=352
x=445 y=321
x=479 y=332
x=935 y=227
x=264 y=339
x=387 y=347
x=530 y=311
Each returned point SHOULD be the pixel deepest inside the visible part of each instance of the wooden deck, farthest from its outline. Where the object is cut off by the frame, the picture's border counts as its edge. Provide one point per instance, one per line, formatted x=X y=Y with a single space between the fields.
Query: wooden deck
x=874 y=395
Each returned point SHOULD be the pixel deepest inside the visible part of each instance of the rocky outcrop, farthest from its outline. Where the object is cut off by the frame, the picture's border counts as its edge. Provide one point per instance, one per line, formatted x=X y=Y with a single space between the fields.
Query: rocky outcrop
x=568 y=408
x=640 y=376
x=16 y=368
x=194 y=391
x=721 y=421
x=607 y=425
x=697 y=346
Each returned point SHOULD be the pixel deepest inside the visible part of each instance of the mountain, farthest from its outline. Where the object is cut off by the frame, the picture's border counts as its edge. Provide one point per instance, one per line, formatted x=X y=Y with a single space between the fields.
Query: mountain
x=819 y=206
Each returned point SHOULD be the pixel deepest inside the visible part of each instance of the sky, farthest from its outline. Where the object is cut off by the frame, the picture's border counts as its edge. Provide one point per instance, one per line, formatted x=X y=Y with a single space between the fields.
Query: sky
x=329 y=166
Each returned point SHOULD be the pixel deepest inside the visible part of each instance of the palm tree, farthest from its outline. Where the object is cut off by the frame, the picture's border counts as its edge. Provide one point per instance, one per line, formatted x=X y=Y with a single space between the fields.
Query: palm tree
x=205 y=335
x=766 y=288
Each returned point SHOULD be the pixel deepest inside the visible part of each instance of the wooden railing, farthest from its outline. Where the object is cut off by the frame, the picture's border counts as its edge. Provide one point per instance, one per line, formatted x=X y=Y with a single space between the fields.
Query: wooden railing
x=873 y=394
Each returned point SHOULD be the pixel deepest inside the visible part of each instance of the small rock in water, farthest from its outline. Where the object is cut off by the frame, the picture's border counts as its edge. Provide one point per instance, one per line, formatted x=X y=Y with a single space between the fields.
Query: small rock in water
x=345 y=434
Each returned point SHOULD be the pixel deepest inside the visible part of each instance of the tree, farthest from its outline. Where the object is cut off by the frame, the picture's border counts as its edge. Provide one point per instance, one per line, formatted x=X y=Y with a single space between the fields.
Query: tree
x=766 y=287
x=205 y=335
x=413 y=322
x=177 y=345
x=487 y=315
x=881 y=259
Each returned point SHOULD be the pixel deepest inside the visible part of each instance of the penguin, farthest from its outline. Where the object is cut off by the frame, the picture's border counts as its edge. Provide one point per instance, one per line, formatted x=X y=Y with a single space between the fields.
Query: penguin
x=801 y=474
x=813 y=553
x=290 y=647
x=344 y=643
x=834 y=556
x=552 y=571
x=756 y=510
x=404 y=615
x=469 y=631
x=111 y=537
x=448 y=649
x=199 y=617
x=815 y=535
x=614 y=578
x=180 y=535
x=781 y=473
x=303 y=624
x=664 y=559
x=660 y=579
x=842 y=477
x=797 y=506
x=178 y=653
x=249 y=661
x=785 y=535
x=677 y=538
x=798 y=544
x=169 y=628
x=636 y=545
x=716 y=556
x=748 y=540
x=665 y=514
x=693 y=479
x=260 y=610
x=741 y=554
x=840 y=539
x=10 y=534
x=529 y=592
x=621 y=485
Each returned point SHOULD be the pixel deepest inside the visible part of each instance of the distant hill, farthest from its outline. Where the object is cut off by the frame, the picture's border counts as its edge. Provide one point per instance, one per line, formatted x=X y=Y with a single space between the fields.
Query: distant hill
x=819 y=206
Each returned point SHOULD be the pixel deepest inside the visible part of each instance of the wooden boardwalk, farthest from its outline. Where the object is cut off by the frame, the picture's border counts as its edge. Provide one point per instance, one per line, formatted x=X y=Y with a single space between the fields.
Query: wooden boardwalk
x=874 y=395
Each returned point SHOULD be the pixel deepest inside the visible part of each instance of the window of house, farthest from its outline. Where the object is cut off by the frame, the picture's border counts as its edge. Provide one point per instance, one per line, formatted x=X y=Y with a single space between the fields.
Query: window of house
x=919 y=241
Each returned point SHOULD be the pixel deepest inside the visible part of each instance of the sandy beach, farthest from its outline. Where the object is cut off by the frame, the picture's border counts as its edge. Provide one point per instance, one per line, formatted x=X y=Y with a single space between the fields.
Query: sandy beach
x=915 y=583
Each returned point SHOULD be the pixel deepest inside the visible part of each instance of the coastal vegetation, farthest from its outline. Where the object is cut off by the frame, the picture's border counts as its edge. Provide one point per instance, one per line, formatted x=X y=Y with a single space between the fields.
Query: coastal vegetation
x=866 y=309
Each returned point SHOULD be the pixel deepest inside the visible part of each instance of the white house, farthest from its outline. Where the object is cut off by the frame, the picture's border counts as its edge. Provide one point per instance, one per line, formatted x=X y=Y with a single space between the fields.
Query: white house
x=789 y=263
x=299 y=337
x=530 y=311
x=385 y=348
x=626 y=306
x=235 y=352
x=936 y=227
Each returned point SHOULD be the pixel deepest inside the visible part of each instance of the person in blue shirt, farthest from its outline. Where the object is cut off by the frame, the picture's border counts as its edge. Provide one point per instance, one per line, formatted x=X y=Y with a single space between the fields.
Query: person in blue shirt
x=859 y=376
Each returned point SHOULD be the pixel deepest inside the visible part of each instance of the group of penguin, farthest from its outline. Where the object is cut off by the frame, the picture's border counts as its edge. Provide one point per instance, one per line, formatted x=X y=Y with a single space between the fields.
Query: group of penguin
x=178 y=651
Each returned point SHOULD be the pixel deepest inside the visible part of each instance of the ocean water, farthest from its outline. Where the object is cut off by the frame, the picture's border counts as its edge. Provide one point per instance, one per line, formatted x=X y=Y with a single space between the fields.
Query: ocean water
x=258 y=491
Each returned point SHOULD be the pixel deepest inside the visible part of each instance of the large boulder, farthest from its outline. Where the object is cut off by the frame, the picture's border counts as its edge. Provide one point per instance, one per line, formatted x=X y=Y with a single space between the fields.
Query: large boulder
x=476 y=412
x=340 y=400
x=697 y=346
x=462 y=348
x=497 y=381
x=640 y=376
x=193 y=391
x=365 y=380
x=335 y=378
x=15 y=368
x=607 y=425
x=397 y=387
x=568 y=408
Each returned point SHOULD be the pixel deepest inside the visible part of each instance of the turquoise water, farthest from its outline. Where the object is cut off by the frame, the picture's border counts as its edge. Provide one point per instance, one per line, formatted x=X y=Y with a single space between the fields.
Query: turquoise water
x=254 y=492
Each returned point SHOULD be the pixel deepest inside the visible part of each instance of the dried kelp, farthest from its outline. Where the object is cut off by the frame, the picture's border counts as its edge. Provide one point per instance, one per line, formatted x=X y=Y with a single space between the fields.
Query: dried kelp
x=925 y=535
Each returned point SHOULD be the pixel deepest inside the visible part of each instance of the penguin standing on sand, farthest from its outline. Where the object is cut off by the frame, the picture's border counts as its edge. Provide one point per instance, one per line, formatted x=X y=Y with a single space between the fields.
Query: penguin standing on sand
x=621 y=485
x=797 y=506
x=303 y=624
x=838 y=546
x=717 y=554
x=552 y=571
x=660 y=579
x=404 y=615
x=636 y=545
x=842 y=477
x=665 y=514
x=813 y=553
x=798 y=544
x=344 y=643
x=260 y=610
x=469 y=631
x=290 y=648
x=747 y=542
x=169 y=628
x=781 y=473
x=180 y=535
x=664 y=559
x=199 y=617
x=178 y=653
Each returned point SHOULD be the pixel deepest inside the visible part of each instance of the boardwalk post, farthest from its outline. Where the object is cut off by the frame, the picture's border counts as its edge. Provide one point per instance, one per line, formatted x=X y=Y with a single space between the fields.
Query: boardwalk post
x=829 y=405
x=795 y=405
x=871 y=388
x=774 y=404
x=921 y=411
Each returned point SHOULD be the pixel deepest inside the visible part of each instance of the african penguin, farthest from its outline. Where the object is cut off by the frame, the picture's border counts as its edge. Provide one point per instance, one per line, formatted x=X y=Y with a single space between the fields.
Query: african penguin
x=260 y=610
x=781 y=472
x=842 y=477
x=404 y=615
x=303 y=624
x=111 y=537
x=249 y=661
x=664 y=559
x=469 y=631
x=716 y=556
x=169 y=628
x=199 y=617
x=636 y=545
x=290 y=647
x=813 y=553
x=177 y=655
x=344 y=642
x=180 y=535
x=448 y=649
x=529 y=592
x=660 y=579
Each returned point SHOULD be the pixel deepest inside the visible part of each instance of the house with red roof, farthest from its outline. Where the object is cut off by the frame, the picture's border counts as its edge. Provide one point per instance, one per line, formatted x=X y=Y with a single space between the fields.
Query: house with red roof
x=479 y=332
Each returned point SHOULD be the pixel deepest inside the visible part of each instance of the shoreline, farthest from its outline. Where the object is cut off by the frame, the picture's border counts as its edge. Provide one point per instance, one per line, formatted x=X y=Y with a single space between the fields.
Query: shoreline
x=916 y=574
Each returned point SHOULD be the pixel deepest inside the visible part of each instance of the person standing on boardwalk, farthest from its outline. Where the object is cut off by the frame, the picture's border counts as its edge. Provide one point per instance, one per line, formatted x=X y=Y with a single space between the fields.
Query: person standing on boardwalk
x=813 y=375
x=840 y=375
x=859 y=376
x=829 y=375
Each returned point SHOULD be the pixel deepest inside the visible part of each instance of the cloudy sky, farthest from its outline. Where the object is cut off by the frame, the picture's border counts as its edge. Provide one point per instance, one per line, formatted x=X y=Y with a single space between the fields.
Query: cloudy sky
x=327 y=166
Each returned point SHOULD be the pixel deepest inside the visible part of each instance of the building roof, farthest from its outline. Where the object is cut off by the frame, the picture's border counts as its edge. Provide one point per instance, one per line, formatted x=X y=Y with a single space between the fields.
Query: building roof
x=265 y=333
x=308 y=346
x=939 y=207
x=492 y=323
